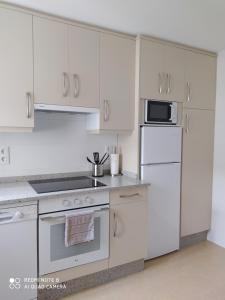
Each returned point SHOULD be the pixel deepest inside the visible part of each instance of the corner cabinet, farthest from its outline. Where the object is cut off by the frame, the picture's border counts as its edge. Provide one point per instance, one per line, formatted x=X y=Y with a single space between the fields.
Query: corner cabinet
x=197 y=171
x=16 y=72
x=128 y=225
x=117 y=79
x=66 y=64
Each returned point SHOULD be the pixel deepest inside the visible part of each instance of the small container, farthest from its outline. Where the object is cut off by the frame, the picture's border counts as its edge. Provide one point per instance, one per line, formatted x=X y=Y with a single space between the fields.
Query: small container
x=114 y=164
x=97 y=170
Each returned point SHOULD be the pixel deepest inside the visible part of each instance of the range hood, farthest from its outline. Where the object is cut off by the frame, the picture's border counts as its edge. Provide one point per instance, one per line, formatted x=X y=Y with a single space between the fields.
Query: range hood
x=65 y=108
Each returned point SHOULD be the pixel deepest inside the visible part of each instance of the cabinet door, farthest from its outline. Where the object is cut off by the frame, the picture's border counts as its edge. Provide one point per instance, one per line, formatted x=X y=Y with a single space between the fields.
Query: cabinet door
x=152 y=77
x=128 y=224
x=51 y=78
x=117 y=57
x=200 y=80
x=84 y=67
x=16 y=71
x=174 y=69
x=197 y=170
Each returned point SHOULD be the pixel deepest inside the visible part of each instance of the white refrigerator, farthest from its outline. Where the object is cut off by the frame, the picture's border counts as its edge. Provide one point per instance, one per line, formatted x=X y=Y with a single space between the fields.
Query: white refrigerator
x=161 y=166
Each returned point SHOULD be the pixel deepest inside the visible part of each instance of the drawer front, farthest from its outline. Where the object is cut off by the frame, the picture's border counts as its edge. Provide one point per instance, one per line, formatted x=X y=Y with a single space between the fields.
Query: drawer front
x=125 y=195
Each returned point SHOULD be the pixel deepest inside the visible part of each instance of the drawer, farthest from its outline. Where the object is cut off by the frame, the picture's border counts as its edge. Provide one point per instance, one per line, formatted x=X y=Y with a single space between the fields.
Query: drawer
x=125 y=195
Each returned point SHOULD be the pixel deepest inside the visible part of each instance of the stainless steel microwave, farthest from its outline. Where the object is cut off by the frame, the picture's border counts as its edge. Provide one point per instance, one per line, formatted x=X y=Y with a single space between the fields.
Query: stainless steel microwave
x=160 y=112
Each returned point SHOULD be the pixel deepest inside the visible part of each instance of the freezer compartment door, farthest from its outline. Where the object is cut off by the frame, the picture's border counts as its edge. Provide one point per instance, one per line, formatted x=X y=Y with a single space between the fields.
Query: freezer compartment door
x=160 y=144
x=163 y=208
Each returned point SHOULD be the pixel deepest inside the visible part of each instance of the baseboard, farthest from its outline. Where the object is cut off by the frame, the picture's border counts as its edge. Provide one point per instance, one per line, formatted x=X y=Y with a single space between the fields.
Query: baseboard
x=92 y=280
x=193 y=239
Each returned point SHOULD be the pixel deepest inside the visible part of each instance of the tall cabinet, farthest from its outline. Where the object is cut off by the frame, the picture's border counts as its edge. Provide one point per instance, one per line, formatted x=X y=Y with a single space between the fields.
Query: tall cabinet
x=167 y=71
x=16 y=71
x=198 y=140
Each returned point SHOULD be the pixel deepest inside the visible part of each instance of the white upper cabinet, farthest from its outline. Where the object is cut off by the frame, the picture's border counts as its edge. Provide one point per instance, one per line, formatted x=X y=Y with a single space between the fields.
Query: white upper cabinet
x=66 y=64
x=161 y=71
x=151 y=70
x=84 y=67
x=200 y=80
x=173 y=59
x=16 y=71
x=117 y=77
x=51 y=66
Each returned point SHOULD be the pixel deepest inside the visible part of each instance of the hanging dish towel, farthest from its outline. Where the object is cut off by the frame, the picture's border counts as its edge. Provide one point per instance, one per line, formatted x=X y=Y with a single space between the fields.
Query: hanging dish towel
x=79 y=228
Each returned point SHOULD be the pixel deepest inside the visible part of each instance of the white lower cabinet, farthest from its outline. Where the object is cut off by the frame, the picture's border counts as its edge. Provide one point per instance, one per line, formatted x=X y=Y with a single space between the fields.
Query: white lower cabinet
x=128 y=225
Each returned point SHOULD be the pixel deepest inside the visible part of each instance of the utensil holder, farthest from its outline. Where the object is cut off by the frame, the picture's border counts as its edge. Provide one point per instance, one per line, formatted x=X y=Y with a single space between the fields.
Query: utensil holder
x=97 y=170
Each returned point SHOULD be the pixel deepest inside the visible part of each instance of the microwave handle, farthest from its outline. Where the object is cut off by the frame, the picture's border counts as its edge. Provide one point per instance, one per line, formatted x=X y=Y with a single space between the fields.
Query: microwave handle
x=173 y=117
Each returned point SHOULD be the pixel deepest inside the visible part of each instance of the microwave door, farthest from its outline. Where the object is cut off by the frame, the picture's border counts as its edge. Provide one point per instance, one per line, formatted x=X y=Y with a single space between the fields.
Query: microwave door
x=158 y=112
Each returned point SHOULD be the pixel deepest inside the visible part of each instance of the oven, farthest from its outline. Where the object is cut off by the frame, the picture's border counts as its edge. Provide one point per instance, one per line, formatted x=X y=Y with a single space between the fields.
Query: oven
x=53 y=254
x=160 y=112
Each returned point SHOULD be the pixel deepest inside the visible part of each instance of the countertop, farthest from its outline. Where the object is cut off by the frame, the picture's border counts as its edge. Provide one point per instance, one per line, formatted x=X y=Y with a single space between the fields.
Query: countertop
x=21 y=191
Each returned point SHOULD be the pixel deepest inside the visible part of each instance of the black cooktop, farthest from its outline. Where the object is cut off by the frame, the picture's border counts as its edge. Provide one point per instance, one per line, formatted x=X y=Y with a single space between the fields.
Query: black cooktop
x=64 y=184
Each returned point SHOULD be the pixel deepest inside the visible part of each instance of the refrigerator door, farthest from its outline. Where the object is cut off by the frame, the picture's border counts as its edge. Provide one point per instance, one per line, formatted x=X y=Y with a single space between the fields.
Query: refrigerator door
x=163 y=208
x=160 y=144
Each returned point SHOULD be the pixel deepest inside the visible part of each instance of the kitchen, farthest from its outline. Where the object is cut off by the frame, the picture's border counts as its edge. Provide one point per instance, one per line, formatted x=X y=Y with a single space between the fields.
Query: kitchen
x=106 y=153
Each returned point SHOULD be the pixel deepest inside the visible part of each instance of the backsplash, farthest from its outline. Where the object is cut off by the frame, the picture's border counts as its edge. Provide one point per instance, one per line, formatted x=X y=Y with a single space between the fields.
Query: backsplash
x=58 y=144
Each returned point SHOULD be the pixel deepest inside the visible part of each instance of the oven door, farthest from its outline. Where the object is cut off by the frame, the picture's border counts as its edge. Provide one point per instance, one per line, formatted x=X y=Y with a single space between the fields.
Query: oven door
x=55 y=256
x=159 y=112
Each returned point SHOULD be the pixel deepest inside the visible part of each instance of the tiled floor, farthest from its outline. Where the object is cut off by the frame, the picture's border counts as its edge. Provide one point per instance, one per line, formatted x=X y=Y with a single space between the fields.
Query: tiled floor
x=195 y=273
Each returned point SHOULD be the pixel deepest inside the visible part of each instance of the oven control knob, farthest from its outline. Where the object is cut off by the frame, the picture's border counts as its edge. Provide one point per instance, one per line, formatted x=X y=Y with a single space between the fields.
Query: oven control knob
x=89 y=200
x=18 y=215
x=66 y=203
x=76 y=201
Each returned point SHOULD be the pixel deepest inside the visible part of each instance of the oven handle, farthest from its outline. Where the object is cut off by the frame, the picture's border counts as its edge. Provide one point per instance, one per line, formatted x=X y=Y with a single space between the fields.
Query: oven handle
x=62 y=217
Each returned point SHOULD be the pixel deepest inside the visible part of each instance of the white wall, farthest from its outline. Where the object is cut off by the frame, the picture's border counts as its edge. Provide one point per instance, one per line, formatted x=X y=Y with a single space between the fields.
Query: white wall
x=217 y=233
x=59 y=143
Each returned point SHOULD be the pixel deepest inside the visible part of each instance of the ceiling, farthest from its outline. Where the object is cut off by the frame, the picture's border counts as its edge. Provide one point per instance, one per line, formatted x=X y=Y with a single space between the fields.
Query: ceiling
x=199 y=23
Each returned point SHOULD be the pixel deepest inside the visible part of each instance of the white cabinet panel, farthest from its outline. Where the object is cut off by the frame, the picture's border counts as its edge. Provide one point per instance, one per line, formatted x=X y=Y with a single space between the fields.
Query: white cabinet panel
x=200 y=79
x=197 y=171
x=84 y=67
x=128 y=225
x=51 y=71
x=16 y=71
x=117 y=56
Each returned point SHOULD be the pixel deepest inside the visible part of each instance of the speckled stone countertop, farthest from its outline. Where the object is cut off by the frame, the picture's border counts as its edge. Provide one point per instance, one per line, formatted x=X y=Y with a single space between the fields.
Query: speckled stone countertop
x=21 y=191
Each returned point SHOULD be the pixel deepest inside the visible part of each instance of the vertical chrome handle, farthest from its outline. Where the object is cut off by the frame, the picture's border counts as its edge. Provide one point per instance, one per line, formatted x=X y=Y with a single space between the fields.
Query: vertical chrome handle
x=160 y=83
x=168 y=79
x=188 y=92
x=29 y=105
x=76 y=85
x=187 y=123
x=66 y=84
x=106 y=110
x=115 y=225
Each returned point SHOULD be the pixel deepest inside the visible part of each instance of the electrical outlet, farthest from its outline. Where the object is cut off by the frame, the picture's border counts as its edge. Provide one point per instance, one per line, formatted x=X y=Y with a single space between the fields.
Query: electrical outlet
x=4 y=156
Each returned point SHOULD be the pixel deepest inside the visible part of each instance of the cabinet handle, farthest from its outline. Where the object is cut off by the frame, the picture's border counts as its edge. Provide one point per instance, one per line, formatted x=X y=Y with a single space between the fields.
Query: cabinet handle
x=66 y=84
x=131 y=195
x=76 y=85
x=160 y=83
x=29 y=104
x=168 y=78
x=106 y=110
x=115 y=225
x=187 y=123
x=188 y=92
